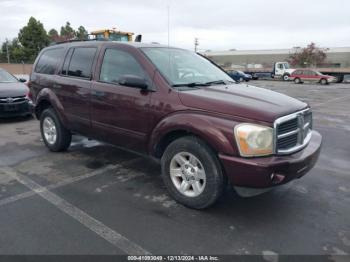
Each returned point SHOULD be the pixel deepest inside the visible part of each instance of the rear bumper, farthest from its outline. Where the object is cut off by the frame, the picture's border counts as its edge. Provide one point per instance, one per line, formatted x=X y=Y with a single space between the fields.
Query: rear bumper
x=22 y=109
x=266 y=172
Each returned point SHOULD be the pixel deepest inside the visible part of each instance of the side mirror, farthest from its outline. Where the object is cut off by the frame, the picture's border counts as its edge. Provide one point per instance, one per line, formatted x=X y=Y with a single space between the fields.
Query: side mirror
x=133 y=81
x=138 y=38
x=22 y=80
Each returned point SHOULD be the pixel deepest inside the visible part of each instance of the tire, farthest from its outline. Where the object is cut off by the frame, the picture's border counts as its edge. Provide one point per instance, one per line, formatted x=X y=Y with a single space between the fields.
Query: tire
x=241 y=79
x=211 y=180
x=286 y=77
x=297 y=80
x=55 y=136
x=324 y=81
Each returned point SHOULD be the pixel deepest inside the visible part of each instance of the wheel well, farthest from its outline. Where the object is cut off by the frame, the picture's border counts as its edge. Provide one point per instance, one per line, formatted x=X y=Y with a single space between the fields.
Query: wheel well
x=44 y=104
x=167 y=139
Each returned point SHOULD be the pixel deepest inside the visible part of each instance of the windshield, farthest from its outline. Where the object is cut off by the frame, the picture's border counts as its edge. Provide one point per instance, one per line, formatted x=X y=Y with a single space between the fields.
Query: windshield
x=185 y=68
x=286 y=66
x=6 y=77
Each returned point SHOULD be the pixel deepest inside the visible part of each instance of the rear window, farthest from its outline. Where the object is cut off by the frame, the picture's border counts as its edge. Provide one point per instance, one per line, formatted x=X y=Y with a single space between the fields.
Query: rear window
x=49 y=61
x=81 y=62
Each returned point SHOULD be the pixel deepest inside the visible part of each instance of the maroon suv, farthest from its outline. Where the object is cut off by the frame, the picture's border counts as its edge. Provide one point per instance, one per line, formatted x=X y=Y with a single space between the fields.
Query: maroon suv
x=176 y=106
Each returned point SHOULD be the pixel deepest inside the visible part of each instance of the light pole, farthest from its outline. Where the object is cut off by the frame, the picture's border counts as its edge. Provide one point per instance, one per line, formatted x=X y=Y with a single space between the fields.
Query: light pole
x=7 y=51
x=196 y=44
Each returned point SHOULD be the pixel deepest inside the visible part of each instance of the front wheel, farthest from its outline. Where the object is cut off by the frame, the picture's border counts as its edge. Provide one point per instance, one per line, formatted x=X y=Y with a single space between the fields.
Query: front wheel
x=192 y=173
x=297 y=80
x=324 y=81
x=55 y=136
x=285 y=77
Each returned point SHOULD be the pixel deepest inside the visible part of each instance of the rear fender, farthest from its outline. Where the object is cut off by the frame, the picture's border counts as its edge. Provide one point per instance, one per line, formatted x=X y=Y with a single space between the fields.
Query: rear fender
x=46 y=95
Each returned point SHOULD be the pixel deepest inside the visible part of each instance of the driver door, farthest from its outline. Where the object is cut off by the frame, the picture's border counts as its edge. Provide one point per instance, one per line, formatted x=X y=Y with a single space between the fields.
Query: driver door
x=119 y=113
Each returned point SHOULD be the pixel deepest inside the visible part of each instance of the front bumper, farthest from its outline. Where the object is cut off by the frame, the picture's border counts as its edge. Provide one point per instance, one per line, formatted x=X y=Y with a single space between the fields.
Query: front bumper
x=16 y=109
x=266 y=172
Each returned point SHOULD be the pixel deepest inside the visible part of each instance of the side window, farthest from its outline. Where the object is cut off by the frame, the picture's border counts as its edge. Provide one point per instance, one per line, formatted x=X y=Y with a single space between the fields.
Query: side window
x=117 y=63
x=281 y=66
x=81 y=63
x=48 y=61
x=66 y=62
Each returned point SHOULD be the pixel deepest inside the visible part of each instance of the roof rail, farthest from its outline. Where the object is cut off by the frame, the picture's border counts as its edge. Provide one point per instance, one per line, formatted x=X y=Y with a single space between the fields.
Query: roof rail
x=77 y=40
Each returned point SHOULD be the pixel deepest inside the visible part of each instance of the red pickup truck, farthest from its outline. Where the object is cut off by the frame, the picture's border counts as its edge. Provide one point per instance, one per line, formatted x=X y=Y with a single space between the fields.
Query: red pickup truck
x=179 y=107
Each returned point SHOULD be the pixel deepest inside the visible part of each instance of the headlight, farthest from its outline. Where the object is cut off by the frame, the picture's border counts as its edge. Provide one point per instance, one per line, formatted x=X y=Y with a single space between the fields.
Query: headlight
x=254 y=140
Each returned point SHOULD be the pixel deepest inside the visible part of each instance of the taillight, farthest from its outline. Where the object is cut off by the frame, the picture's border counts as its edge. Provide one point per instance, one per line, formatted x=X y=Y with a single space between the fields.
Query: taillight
x=29 y=94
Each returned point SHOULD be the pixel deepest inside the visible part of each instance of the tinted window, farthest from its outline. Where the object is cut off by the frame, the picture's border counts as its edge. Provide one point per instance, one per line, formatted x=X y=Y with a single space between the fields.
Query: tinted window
x=48 y=61
x=81 y=62
x=66 y=62
x=117 y=63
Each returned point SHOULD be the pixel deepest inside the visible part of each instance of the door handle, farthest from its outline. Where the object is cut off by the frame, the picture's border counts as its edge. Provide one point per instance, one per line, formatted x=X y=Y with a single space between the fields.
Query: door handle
x=57 y=86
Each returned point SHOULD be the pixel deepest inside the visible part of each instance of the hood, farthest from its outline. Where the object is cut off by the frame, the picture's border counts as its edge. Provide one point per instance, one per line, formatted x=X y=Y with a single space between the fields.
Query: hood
x=289 y=71
x=243 y=101
x=13 y=89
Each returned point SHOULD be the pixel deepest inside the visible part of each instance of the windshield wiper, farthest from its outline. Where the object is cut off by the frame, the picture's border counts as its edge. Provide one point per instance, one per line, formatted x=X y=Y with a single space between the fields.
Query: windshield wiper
x=219 y=82
x=193 y=84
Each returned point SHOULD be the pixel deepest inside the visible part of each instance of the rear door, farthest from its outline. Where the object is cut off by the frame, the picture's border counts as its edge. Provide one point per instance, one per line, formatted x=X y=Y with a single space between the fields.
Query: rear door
x=74 y=86
x=119 y=113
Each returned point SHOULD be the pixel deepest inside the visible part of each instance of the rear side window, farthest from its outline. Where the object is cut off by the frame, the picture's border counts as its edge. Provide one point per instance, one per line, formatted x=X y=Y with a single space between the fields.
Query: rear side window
x=117 y=63
x=81 y=62
x=49 y=61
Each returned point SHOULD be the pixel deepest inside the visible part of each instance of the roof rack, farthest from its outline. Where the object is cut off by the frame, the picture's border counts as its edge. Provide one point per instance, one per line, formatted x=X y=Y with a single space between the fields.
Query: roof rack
x=77 y=40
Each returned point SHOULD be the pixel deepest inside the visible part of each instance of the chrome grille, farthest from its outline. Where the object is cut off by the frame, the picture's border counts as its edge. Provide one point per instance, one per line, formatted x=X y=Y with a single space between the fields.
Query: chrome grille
x=8 y=100
x=293 y=132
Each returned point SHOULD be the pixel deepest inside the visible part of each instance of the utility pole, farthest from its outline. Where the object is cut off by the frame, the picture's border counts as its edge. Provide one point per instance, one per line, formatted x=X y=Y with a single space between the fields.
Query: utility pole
x=196 y=44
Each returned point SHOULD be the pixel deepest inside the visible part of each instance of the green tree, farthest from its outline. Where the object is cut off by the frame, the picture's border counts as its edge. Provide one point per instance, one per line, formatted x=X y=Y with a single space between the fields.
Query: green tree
x=53 y=35
x=308 y=57
x=67 y=32
x=15 y=51
x=33 y=38
x=81 y=33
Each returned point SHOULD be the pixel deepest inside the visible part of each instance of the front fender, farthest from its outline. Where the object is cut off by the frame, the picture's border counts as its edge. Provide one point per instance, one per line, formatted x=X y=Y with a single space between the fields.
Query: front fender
x=216 y=132
x=46 y=95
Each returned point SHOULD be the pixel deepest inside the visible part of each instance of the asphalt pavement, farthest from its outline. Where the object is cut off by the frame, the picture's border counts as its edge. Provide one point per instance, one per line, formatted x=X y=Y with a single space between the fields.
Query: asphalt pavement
x=99 y=199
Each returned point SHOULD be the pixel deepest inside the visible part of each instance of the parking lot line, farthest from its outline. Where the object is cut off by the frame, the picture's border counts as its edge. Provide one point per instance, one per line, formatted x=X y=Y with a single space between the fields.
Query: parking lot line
x=64 y=182
x=91 y=223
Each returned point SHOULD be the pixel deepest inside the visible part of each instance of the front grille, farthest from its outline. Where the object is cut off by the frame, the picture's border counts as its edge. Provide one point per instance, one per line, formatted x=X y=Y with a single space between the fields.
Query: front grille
x=293 y=132
x=16 y=99
x=9 y=108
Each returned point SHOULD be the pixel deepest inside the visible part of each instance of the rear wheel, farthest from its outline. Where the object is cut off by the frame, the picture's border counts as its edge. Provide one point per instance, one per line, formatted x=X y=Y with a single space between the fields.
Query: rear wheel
x=192 y=173
x=241 y=79
x=324 y=81
x=55 y=136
